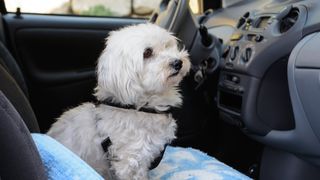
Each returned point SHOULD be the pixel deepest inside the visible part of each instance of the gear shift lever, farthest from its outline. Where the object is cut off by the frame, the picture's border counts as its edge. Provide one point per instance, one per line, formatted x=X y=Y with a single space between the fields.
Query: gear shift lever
x=206 y=39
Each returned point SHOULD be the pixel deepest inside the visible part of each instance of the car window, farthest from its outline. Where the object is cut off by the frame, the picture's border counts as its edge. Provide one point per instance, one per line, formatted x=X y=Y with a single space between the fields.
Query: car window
x=113 y=8
x=196 y=6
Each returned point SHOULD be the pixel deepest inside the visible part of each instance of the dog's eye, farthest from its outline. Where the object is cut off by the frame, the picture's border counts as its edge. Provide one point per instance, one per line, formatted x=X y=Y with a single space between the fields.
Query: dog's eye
x=147 y=53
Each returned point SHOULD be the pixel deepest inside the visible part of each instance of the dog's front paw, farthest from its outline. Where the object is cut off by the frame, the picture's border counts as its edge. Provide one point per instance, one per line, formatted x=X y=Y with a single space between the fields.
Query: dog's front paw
x=142 y=174
x=129 y=169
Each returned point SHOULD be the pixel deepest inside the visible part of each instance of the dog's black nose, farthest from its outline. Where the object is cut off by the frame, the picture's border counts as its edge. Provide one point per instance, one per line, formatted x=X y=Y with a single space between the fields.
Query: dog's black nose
x=176 y=64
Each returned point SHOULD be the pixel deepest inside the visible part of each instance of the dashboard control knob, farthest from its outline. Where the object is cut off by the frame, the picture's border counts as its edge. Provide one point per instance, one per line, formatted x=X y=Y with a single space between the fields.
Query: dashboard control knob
x=235 y=79
x=258 y=38
x=234 y=52
x=246 y=55
x=248 y=24
x=240 y=90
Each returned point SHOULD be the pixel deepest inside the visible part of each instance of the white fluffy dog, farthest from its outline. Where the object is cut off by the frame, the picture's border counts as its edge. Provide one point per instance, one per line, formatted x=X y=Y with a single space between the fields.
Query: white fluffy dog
x=140 y=68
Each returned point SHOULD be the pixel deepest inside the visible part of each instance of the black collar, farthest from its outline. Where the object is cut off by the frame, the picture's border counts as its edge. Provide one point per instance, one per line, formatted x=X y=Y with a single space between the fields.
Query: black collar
x=129 y=106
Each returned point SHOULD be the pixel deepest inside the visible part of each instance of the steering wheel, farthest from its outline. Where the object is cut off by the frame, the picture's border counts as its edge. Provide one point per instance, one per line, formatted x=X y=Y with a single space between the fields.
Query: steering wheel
x=176 y=17
x=169 y=14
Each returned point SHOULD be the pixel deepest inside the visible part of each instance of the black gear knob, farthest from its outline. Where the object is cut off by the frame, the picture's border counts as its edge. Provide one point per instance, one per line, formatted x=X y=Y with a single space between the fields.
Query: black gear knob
x=205 y=37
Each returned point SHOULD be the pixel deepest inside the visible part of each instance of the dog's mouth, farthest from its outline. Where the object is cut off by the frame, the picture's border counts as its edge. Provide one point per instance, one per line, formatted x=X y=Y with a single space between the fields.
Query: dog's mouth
x=174 y=74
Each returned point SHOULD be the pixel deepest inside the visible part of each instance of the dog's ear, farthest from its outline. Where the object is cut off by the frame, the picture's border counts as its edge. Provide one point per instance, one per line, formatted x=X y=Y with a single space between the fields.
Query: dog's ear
x=118 y=71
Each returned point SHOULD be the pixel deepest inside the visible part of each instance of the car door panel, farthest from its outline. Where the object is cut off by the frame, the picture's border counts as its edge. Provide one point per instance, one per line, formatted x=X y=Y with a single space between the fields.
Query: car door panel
x=59 y=61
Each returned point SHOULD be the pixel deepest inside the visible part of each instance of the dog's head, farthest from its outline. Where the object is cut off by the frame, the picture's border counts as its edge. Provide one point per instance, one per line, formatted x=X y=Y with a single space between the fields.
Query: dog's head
x=141 y=65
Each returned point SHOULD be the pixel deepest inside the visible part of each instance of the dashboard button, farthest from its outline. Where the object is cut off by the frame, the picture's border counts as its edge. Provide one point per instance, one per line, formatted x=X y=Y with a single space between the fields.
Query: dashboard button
x=258 y=38
x=235 y=79
x=229 y=65
x=240 y=90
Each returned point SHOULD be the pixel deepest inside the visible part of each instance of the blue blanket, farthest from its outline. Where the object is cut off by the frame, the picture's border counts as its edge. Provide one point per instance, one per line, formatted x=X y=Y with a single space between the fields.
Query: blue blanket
x=60 y=162
x=187 y=163
x=177 y=164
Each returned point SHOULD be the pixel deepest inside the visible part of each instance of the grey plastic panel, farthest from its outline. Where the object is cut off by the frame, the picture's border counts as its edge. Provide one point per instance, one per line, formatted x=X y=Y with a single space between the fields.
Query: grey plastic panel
x=282 y=165
x=308 y=86
x=307 y=80
x=308 y=56
x=222 y=32
x=304 y=84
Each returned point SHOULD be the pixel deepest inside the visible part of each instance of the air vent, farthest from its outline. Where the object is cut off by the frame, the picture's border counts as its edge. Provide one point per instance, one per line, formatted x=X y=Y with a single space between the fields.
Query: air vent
x=241 y=22
x=242 y=19
x=289 y=20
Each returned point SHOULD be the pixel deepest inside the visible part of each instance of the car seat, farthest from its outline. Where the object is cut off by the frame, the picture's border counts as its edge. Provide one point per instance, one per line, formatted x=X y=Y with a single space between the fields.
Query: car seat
x=19 y=157
x=13 y=86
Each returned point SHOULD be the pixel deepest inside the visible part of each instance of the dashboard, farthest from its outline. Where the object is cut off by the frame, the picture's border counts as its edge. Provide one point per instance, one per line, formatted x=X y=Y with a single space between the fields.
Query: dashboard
x=254 y=88
x=255 y=66
x=266 y=54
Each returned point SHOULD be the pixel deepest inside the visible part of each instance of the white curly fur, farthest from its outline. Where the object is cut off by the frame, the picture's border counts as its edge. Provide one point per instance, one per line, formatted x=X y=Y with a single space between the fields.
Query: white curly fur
x=126 y=77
